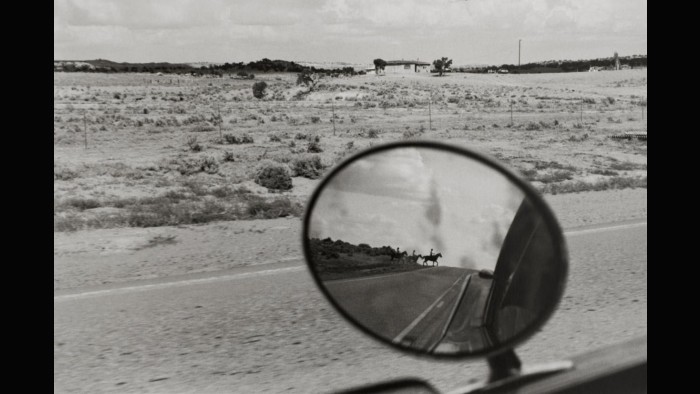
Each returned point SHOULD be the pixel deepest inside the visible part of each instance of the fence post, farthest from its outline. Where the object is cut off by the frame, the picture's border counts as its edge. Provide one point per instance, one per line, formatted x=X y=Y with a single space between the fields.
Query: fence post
x=220 y=121
x=511 y=112
x=333 y=116
x=85 y=129
x=430 y=114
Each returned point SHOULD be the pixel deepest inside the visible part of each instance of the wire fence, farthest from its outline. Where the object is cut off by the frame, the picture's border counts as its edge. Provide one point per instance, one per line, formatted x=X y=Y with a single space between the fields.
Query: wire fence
x=102 y=119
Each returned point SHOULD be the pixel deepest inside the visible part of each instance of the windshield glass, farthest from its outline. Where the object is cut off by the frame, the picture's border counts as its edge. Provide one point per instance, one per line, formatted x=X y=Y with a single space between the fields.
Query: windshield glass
x=190 y=135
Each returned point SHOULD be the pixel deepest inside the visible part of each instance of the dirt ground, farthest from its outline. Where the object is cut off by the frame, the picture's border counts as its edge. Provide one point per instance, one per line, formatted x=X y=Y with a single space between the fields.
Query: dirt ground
x=101 y=256
x=155 y=153
x=138 y=162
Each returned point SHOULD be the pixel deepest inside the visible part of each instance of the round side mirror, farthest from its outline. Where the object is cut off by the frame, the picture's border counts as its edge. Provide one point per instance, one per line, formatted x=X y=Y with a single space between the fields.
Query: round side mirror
x=435 y=249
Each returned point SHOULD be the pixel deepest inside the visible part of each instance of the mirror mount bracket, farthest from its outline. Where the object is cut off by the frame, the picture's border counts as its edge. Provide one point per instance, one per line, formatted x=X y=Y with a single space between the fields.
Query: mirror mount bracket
x=504 y=365
x=508 y=373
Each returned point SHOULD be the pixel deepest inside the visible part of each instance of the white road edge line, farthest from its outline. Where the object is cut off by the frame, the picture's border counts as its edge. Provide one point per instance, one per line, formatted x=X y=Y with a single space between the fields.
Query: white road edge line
x=187 y=282
x=271 y=271
x=334 y=281
x=601 y=229
x=420 y=317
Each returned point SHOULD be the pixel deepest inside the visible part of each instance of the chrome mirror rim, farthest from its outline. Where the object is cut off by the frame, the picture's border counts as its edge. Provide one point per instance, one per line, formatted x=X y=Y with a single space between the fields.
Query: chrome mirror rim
x=560 y=248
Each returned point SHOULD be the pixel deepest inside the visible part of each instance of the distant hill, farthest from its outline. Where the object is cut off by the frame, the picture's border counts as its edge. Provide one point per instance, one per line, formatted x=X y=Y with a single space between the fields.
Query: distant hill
x=103 y=65
x=260 y=66
x=556 y=66
x=267 y=66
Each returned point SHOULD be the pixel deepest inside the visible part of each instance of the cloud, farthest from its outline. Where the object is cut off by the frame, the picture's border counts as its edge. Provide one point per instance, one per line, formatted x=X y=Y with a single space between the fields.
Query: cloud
x=348 y=30
x=136 y=14
x=398 y=173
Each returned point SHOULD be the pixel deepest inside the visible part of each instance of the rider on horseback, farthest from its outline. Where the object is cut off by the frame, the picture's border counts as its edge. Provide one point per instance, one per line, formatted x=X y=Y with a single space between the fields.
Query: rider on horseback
x=433 y=258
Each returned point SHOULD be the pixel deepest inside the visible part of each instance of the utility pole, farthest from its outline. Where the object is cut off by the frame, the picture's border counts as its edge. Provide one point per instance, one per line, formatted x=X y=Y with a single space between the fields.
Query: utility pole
x=519 y=52
x=333 y=116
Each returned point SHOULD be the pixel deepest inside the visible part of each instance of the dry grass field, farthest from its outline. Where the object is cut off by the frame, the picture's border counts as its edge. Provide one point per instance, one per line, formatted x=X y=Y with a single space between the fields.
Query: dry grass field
x=173 y=150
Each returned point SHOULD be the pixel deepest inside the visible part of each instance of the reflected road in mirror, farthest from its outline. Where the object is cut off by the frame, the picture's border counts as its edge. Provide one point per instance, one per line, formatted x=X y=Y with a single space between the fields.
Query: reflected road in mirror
x=413 y=308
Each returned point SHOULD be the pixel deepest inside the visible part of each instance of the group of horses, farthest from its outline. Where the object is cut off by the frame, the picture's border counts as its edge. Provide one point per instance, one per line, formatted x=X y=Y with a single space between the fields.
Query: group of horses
x=403 y=257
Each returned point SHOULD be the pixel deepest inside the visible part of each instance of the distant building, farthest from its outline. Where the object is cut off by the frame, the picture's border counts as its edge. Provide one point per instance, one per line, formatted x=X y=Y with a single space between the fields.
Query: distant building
x=406 y=66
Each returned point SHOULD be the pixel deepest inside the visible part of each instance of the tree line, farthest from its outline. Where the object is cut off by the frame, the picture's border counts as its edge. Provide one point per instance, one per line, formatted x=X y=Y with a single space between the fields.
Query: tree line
x=242 y=69
x=555 y=66
x=332 y=249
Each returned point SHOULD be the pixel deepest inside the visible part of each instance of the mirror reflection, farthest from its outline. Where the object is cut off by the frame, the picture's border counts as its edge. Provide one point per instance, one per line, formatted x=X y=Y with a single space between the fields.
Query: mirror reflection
x=432 y=250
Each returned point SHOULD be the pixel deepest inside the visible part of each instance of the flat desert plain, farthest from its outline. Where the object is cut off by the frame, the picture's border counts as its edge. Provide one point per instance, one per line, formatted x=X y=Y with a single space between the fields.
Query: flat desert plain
x=155 y=177
x=140 y=156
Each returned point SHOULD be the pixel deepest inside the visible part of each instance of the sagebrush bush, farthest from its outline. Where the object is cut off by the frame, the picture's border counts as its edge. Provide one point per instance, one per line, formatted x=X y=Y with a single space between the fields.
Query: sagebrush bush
x=194 y=145
x=372 y=133
x=280 y=207
x=274 y=176
x=533 y=126
x=314 y=147
x=259 y=89
x=600 y=171
x=192 y=166
x=209 y=165
x=555 y=176
x=232 y=139
x=529 y=173
x=411 y=134
x=625 y=166
x=229 y=157
x=82 y=203
x=64 y=174
x=614 y=182
x=574 y=138
x=308 y=167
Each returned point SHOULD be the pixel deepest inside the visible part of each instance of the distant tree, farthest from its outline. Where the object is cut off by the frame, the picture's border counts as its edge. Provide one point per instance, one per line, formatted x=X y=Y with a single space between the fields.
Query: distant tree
x=379 y=64
x=442 y=64
x=309 y=79
x=259 y=89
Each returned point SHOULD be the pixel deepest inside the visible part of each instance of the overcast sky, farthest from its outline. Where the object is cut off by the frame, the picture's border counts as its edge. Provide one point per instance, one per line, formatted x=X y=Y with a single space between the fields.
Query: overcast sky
x=420 y=199
x=355 y=31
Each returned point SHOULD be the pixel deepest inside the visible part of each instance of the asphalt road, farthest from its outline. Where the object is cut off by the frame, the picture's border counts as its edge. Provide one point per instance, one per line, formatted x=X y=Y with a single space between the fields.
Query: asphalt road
x=268 y=329
x=390 y=305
